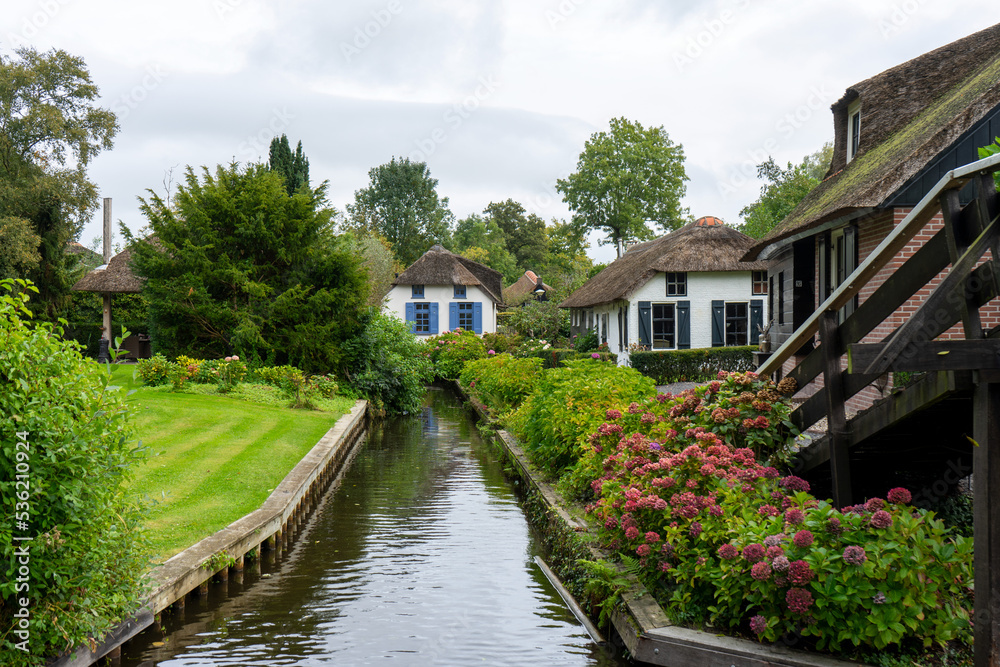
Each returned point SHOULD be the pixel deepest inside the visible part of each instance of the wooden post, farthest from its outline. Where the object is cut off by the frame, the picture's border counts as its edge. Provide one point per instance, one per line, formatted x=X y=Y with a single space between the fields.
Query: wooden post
x=986 y=520
x=837 y=434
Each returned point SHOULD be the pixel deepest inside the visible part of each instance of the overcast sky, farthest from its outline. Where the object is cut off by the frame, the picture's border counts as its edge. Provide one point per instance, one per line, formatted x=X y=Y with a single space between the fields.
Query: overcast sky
x=497 y=97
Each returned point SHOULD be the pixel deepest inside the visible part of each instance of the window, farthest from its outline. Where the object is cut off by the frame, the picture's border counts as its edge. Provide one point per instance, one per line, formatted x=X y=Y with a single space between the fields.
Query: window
x=459 y=291
x=759 y=279
x=604 y=328
x=465 y=320
x=737 y=323
x=664 y=326
x=418 y=291
x=677 y=284
x=853 y=129
x=781 y=298
x=422 y=316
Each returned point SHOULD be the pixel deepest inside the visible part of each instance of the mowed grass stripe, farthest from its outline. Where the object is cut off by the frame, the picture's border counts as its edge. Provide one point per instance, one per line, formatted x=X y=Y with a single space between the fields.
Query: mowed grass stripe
x=215 y=458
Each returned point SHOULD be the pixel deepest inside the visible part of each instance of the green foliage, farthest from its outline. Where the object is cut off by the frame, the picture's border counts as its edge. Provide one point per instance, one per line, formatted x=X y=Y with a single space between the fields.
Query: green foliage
x=698 y=365
x=569 y=404
x=501 y=381
x=66 y=452
x=625 y=178
x=451 y=350
x=483 y=241
x=155 y=370
x=722 y=539
x=784 y=189
x=555 y=357
x=524 y=233
x=378 y=261
x=401 y=204
x=389 y=365
x=51 y=130
x=239 y=266
x=988 y=150
x=293 y=167
x=589 y=341
x=501 y=342
x=540 y=319
x=604 y=584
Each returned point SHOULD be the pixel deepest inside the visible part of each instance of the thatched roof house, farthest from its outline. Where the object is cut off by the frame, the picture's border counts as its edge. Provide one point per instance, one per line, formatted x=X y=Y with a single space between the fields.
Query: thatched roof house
x=687 y=289
x=441 y=283
x=913 y=119
x=705 y=245
x=116 y=278
x=525 y=288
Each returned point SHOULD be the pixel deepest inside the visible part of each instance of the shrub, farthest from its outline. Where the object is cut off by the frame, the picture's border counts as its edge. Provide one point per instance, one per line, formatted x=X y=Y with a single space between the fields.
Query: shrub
x=553 y=357
x=388 y=364
x=324 y=385
x=502 y=382
x=276 y=376
x=70 y=438
x=587 y=341
x=229 y=373
x=555 y=421
x=500 y=343
x=540 y=319
x=452 y=349
x=725 y=539
x=700 y=365
x=154 y=371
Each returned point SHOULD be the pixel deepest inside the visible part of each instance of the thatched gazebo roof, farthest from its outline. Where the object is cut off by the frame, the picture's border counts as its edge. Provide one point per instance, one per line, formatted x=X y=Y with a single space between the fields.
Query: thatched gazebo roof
x=116 y=278
x=705 y=245
x=524 y=286
x=438 y=266
x=910 y=114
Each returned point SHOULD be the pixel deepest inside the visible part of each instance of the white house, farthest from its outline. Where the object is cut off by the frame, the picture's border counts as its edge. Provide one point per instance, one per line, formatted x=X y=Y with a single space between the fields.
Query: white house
x=687 y=289
x=443 y=291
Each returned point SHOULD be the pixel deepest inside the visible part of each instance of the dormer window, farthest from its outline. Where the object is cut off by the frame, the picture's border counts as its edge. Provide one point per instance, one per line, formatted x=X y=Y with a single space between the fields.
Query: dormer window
x=853 y=129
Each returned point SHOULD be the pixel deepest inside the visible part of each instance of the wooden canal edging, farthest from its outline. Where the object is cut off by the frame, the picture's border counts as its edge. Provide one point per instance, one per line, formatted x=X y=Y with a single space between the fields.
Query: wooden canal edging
x=265 y=528
x=640 y=621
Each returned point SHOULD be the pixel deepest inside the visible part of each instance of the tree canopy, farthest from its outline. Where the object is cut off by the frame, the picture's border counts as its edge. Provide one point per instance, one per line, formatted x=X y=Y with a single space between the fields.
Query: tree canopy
x=50 y=130
x=524 y=233
x=401 y=204
x=784 y=189
x=293 y=167
x=236 y=265
x=625 y=179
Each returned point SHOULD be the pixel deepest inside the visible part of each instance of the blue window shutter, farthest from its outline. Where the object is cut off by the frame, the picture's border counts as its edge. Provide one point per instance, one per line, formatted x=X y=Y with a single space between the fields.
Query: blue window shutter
x=411 y=317
x=434 y=317
x=756 y=319
x=645 y=323
x=452 y=316
x=477 y=317
x=718 y=323
x=683 y=325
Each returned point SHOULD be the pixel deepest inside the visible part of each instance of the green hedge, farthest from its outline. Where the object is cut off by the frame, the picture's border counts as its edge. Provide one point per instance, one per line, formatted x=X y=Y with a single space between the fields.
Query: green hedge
x=555 y=357
x=701 y=365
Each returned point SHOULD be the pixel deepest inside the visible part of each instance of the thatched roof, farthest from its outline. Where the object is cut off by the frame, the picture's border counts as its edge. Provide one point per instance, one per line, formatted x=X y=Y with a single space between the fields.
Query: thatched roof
x=705 y=245
x=117 y=278
x=909 y=114
x=525 y=285
x=438 y=266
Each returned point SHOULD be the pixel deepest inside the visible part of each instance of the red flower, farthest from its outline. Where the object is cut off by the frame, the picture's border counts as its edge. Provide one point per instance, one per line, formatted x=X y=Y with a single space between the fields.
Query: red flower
x=793 y=483
x=753 y=552
x=798 y=600
x=855 y=555
x=643 y=550
x=799 y=573
x=795 y=516
x=899 y=496
x=881 y=519
x=761 y=571
x=728 y=552
x=652 y=536
x=803 y=539
x=874 y=504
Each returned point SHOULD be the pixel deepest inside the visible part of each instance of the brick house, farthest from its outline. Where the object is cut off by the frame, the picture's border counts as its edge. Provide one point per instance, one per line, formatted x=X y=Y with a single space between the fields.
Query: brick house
x=895 y=135
x=687 y=289
x=443 y=291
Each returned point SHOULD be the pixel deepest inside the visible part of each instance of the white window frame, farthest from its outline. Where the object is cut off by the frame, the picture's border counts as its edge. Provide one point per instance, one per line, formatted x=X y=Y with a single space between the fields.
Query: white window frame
x=853 y=133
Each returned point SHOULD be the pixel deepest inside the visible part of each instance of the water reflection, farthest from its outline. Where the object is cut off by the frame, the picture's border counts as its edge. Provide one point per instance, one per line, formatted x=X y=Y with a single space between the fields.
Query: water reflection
x=421 y=557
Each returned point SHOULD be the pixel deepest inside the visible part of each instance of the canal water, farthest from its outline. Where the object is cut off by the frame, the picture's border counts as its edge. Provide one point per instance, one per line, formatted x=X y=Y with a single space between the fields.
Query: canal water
x=421 y=556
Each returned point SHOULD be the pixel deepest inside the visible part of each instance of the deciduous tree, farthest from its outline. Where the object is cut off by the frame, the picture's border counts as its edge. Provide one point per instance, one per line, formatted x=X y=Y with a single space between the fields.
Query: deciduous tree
x=626 y=179
x=784 y=189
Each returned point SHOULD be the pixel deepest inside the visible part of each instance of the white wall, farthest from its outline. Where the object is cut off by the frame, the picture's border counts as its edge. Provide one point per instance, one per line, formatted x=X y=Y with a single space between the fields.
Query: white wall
x=400 y=295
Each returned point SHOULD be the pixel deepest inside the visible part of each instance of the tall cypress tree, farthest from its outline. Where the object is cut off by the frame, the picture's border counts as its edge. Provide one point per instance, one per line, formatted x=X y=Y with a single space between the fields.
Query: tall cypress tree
x=293 y=167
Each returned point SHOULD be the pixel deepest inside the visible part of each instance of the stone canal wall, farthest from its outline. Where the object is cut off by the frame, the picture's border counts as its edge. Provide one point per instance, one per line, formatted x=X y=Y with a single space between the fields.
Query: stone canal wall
x=269 y=527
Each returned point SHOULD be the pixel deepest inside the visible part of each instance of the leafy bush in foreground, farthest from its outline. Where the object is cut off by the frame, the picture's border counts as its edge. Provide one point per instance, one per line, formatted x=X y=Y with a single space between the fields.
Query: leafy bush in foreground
x=451 y=350
x=70 y=439
x=699 y=365
x=724 y=539
x=388 y=365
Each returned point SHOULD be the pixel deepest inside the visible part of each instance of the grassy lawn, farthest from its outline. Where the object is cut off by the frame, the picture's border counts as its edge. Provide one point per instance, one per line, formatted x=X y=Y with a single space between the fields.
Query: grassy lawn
x=215 y=458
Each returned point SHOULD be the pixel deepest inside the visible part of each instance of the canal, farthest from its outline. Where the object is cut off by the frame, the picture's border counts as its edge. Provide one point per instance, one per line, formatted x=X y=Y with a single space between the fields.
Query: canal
x=421 y=556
